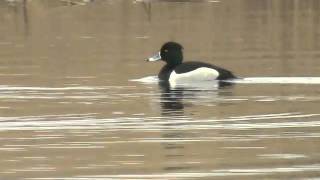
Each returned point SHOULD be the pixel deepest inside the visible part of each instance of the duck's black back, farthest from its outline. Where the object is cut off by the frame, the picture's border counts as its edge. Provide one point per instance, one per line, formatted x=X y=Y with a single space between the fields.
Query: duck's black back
x=190 y=66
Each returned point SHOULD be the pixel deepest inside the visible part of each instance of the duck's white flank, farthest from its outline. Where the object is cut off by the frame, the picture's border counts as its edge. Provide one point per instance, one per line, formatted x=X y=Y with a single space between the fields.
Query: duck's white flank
x=199 y=74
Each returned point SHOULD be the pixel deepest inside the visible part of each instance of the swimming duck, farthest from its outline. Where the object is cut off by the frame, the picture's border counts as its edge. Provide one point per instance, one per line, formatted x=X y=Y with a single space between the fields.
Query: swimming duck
x=176 y=70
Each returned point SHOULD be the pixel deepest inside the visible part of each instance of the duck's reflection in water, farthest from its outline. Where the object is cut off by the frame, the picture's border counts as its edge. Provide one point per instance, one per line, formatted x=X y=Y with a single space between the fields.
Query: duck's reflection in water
x=175 y=98
x=173 y=101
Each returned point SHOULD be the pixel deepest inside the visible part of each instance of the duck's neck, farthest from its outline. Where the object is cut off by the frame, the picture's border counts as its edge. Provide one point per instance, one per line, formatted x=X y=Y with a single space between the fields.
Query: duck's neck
x=171 y=66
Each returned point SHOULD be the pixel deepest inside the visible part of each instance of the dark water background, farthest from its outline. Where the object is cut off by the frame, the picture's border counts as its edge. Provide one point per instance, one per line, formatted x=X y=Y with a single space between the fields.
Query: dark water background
x=70 y=110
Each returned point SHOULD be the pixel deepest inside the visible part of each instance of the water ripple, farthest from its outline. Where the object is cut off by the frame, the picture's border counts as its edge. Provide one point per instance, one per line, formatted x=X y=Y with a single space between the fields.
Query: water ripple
x=90 y=121
x=204 y=174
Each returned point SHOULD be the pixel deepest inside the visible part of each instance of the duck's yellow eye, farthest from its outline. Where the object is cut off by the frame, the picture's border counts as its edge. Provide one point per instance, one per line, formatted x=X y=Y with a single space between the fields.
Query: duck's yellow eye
x=166 y=50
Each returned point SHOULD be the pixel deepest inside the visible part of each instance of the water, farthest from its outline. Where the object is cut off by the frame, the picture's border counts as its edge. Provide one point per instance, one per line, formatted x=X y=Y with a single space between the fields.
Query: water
x=78 y=101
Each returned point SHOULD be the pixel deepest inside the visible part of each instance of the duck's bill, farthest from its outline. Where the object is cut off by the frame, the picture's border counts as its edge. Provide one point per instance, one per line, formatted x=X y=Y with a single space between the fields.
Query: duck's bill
x=156 y=57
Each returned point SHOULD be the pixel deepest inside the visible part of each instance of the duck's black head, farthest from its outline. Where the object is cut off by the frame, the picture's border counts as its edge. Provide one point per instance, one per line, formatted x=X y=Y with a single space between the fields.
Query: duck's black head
x=171 y=53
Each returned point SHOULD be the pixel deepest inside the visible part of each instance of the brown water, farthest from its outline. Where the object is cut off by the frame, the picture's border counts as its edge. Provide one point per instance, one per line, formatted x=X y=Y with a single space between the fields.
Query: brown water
x=70 y=110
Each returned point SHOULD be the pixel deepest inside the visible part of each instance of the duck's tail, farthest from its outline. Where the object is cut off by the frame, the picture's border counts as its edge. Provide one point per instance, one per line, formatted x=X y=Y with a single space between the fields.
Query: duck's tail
x=225 y=75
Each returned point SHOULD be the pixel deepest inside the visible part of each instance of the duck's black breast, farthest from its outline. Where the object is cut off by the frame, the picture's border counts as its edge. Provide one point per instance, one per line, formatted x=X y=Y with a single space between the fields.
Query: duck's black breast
x=165 y=72
x=190 y=66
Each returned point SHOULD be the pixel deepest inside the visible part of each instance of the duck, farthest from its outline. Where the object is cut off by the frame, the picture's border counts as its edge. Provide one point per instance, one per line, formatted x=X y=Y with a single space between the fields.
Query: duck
x=175 y=70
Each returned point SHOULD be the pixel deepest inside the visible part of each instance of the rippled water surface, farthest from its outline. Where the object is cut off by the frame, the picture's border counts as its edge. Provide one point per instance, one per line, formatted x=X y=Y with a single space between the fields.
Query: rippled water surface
x=78 y=101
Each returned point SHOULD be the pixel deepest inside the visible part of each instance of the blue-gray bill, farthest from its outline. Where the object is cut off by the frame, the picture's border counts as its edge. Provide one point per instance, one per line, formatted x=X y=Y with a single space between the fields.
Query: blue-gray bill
x=156 y=57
